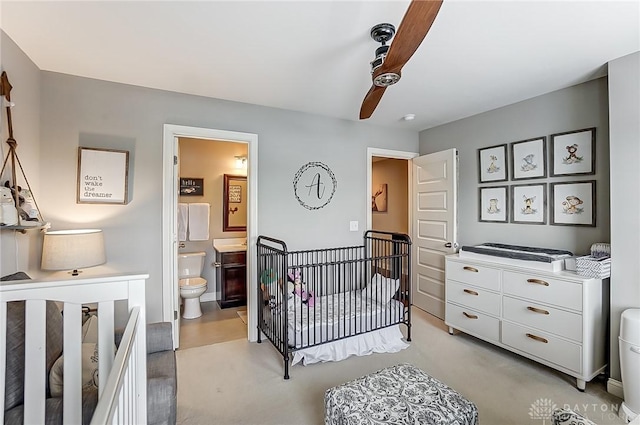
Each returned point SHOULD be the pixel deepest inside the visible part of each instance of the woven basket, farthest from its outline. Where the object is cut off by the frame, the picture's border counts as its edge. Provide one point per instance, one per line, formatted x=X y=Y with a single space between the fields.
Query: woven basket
x=589 y=266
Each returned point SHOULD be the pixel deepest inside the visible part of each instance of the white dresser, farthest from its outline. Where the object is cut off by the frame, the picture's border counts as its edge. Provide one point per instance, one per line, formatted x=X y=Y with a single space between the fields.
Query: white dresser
x=555 y=318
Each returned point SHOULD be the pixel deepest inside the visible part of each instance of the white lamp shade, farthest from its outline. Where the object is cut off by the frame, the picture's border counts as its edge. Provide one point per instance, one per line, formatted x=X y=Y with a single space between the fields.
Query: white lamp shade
x=73 y=249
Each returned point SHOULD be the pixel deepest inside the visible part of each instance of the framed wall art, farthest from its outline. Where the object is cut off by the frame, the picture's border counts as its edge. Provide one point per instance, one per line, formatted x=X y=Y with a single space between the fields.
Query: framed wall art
x=379 y=198
x=492 y=164
x=573 y=203
x=191 y=186
x=573 y=153
x=529 y=203
x=528 y=159
x=102 y=176
x=494 y=204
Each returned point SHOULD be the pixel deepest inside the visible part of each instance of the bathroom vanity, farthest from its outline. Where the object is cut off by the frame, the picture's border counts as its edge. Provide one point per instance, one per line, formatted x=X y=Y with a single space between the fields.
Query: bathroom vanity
x=231 y=274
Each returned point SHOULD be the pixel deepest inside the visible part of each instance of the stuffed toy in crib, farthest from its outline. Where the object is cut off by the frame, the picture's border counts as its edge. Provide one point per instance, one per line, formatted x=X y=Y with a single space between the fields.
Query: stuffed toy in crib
x=299 y=288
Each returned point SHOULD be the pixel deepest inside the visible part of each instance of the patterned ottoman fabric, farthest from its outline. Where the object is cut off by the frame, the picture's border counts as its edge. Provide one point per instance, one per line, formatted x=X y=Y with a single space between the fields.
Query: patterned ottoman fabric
x=569 y=417
x=401 y=394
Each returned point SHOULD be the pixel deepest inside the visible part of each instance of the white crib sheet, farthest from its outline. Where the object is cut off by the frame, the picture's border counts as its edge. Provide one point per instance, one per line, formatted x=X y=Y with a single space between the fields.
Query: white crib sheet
x=338 y=316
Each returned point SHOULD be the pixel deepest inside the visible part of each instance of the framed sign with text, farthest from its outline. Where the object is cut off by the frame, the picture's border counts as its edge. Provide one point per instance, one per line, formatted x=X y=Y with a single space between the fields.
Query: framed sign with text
x=102 y=176
x=314 y=185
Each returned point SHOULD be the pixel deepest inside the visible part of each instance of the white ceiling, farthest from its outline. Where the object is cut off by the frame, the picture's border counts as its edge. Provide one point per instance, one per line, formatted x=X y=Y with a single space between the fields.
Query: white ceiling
x=314 y=56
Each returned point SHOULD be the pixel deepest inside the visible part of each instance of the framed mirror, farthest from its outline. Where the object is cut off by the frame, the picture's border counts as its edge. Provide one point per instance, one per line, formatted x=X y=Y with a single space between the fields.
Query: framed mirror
x=234 y=204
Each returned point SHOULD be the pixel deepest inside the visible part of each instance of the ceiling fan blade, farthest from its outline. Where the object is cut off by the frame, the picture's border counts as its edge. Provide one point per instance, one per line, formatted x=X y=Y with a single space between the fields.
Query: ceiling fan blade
x=370 y=101
x=413 y=29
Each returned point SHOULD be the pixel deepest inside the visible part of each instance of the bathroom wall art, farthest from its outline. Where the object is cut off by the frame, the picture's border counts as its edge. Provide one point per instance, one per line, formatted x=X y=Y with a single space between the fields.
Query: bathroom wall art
x=573 y=203
x=492 y=164
x=190 y=186
x=494 y=204
x=102 y=176
x=528 y=159
x=573 y=153
x=529 y=203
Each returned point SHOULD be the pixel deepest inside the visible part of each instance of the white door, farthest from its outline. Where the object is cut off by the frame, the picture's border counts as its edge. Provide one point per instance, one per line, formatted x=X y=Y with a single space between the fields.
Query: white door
x=434 y=191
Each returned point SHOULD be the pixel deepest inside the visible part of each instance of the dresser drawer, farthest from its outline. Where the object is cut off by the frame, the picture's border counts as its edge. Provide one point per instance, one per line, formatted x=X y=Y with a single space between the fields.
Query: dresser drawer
x=544 y=289
x=543 y=345
x=474 y=274
x=473 y=297
x=235 y=258
x=553 y=320
x=473 y=322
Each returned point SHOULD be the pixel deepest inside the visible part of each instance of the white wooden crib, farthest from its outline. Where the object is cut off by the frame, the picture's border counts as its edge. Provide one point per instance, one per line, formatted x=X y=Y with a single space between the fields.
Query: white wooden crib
x=122 y=397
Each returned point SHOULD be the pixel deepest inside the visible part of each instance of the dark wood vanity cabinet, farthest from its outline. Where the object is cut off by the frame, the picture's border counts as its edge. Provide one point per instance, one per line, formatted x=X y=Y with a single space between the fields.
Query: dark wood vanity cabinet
x=232 y=278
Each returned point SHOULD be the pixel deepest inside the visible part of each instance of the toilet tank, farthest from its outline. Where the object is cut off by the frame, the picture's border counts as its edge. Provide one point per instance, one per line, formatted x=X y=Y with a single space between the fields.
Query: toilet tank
x=190 y=264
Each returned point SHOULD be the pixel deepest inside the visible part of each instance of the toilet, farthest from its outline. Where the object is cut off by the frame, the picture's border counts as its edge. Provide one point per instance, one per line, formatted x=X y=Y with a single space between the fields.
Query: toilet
x=190 y=266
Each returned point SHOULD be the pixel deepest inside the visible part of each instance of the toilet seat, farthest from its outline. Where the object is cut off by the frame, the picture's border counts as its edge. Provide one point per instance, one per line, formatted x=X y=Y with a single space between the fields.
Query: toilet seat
x=192 y=283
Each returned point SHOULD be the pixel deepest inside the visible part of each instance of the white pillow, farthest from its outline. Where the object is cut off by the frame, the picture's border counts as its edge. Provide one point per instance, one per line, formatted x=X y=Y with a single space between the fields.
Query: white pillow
x=382 y=289
x=89 y=370
x=89 y=361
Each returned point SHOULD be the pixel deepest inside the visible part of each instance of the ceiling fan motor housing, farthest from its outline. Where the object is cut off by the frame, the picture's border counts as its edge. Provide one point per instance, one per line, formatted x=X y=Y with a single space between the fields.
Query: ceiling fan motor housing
x=382 y=33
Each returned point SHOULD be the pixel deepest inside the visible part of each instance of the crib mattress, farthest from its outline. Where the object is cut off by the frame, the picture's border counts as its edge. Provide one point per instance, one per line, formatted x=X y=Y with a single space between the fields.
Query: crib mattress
x=337 y=316
x=401 y=394
x=524 y=256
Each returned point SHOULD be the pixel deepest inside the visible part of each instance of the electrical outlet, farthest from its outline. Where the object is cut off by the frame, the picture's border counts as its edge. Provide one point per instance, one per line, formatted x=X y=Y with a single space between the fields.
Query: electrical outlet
x=353 y=226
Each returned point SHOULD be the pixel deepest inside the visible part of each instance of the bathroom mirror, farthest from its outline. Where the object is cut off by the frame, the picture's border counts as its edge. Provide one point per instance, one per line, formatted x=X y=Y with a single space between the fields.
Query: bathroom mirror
x=234 y=204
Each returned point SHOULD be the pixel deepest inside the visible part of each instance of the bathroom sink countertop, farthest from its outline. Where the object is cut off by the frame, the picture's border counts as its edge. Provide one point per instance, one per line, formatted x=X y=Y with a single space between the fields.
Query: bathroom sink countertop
x=230 y=245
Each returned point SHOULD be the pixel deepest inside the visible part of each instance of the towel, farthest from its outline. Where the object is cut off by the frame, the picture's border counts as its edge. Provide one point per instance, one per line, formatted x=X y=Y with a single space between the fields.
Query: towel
x=199 y=222
x=183 y=221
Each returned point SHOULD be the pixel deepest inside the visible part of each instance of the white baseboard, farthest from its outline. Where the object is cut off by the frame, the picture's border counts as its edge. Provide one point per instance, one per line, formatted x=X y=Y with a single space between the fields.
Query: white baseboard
x=615 y=387
x=208 y=296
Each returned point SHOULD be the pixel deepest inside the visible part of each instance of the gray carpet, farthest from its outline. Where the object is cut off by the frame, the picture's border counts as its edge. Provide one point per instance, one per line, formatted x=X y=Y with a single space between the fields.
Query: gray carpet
x=238 y=382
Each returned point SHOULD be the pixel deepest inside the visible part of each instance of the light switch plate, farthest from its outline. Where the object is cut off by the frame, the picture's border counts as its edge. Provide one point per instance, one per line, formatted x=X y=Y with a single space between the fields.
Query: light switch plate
x=353 y=226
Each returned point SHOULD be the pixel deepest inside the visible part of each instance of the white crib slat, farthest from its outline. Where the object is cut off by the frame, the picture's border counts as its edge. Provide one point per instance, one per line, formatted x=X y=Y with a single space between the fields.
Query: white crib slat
x=3 y=356
x=106 y=319
x=35 y=361
x=72 y=395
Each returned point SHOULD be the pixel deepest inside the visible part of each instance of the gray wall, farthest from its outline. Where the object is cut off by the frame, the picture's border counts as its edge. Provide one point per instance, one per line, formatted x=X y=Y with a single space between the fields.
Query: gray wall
x=21 y=251
x=574 y=108
x=83 y=112
x=624 y=110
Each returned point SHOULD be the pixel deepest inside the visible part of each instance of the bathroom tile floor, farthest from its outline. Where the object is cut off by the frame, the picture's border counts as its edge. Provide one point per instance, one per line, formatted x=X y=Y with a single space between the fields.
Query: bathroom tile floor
x=214 y=326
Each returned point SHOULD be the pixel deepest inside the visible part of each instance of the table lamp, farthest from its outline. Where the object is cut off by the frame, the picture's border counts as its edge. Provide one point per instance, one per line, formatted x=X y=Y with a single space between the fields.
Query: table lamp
x=73 y=250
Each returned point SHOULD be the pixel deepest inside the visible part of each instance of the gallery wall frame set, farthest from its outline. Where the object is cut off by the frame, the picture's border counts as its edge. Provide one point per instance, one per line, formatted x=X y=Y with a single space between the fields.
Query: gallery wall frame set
x=492 y=164
x=493 y=204
x=529 y=203
x=529 y=159
x=573 y=153
x=573 y=203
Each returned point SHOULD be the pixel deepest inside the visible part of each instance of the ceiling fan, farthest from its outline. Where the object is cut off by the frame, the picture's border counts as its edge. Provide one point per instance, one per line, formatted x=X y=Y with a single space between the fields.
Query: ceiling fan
x=387 y=66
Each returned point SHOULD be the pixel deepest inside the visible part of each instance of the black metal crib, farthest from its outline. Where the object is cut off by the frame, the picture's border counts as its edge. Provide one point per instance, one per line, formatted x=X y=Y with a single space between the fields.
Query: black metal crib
x=313 y=297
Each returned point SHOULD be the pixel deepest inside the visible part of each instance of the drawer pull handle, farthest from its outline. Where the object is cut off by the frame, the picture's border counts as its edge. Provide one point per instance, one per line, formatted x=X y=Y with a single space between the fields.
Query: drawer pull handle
x=537 y=310
x=469 y=291
x=470 y=269
x=538 y=281
x=537 y=338
x=470 y=316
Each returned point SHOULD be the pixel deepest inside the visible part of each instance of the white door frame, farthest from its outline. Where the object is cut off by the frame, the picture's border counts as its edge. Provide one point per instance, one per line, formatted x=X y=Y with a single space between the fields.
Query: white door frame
x=388 y=153
x=170 y=290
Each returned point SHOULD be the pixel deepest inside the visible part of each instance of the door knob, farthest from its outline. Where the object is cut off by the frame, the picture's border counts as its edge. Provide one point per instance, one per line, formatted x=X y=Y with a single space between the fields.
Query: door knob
x=453 y=245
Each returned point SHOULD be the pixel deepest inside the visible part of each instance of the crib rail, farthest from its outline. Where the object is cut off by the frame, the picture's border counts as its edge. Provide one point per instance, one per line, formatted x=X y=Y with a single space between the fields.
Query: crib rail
x=72 y=294
x=333 y=301
x=119 y=404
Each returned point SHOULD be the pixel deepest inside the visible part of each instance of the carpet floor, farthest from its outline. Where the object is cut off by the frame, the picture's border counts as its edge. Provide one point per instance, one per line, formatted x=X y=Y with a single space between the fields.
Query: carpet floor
x=239 y=382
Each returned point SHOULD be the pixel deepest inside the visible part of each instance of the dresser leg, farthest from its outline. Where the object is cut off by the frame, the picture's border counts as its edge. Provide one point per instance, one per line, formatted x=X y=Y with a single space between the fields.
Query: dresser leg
x=450 y=330
x=581 y=384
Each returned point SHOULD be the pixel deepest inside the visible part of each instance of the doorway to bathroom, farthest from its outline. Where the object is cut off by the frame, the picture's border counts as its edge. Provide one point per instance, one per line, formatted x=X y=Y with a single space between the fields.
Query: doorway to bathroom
x=212 y=178
x=196 y=161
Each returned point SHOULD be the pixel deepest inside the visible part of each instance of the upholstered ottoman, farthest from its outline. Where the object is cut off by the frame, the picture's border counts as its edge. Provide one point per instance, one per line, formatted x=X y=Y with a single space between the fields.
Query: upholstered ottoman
x=401 y=394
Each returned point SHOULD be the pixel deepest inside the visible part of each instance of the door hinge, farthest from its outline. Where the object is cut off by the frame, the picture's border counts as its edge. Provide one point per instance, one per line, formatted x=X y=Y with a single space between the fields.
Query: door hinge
x=175 y=315
x=175 y=160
